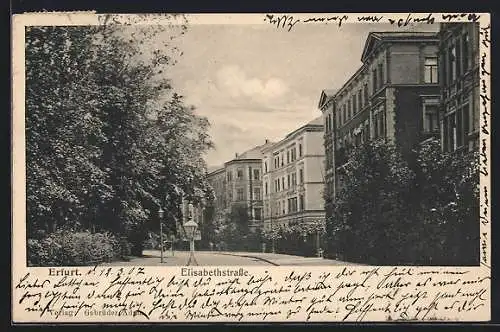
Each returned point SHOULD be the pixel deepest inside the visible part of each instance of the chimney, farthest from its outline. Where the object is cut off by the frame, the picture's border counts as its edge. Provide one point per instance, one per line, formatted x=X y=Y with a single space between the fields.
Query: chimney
x=236 y=155
x=267 y=141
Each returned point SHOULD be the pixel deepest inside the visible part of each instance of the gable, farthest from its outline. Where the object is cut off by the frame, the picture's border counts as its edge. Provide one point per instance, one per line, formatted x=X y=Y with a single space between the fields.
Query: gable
x=371 y=43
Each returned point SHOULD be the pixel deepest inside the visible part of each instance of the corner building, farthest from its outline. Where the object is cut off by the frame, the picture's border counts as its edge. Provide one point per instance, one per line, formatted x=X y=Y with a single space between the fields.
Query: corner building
x=238 y=183
x=293 y=178
x=394 y=95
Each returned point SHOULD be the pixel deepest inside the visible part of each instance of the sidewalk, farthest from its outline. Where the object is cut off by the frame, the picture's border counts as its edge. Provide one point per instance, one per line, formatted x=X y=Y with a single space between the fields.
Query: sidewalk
x=283 y=259
x=216 y=258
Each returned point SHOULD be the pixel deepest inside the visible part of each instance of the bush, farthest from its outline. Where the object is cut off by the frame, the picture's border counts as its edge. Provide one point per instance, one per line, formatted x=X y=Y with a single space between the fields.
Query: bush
x=65 y=248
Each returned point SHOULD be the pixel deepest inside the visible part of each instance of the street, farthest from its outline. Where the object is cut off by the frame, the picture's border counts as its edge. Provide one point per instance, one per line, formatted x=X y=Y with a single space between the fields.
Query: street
x=220 y=258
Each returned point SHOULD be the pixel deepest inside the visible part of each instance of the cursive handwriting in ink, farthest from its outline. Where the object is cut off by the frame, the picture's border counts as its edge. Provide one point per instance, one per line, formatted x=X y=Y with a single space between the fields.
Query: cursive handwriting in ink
x=471 y=17
x=370 y=18
x=281 y=21
x=485 y=36
x=326 y=20
x=411 y=18
x=351 y=293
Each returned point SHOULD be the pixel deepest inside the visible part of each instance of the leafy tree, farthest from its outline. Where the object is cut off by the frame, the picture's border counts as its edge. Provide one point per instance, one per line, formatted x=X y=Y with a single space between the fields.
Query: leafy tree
x=108 y=140
x=448 y=192
x=371 y=205
x=390 y=213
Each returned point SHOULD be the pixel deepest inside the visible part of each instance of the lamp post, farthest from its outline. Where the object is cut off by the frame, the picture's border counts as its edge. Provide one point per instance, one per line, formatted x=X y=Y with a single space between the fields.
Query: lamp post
x=190 y=227
x=160 y=216
x=172 y=241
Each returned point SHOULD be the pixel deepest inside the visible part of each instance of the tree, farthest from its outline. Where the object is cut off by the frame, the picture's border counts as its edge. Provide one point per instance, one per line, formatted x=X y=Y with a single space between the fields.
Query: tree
x=107 y=137
x=448 y=189
x=397 y=214
x=371 y=207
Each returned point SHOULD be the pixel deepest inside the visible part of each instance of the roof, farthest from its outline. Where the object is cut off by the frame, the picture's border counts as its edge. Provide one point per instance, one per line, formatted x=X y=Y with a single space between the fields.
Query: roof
x=326 y=94
x=375 y=38
x=252 y=154
x=212 y=169
x=315 y=123
x=400 y=36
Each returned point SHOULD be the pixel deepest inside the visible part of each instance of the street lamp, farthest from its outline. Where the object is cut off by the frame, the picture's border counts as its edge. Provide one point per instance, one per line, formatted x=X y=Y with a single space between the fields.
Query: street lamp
x=190 y=228
x=160 y=216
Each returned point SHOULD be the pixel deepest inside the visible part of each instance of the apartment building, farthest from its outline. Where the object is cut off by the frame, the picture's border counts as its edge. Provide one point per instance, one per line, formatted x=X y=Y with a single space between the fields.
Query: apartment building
x=238 y=183
x=394 y=95
x=293 y=177
x=459 y=81
x=326 y=105
x=217 y=178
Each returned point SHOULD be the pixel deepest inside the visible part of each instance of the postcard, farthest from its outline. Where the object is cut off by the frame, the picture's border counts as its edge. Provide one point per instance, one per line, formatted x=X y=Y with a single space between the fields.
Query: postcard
x=329 y=167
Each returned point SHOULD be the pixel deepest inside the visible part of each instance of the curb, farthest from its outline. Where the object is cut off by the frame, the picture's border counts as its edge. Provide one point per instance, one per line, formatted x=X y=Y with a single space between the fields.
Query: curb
x=249 y=256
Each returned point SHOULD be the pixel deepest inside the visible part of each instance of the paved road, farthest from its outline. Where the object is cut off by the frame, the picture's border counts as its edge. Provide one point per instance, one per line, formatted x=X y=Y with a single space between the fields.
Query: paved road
x=216 y=258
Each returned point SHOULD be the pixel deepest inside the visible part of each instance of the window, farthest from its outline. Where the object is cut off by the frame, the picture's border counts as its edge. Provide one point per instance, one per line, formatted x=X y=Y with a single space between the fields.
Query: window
x=282 y=160
x=300 y=150
x=266 y=189
x=379 y=122
x=451 y=131
x=459 y=128
x=301 y=176
x=239 y=194
x=431 y=123
x=344 y=111
x=279 y=208
x=288 y=157
x=451 y=64
x=283 y=207
x=265 y=167
x=283 y=183
x=354 y=106
x=294 y=153
x=239 y=173
x=257 y=213
x=301 y=202
x=294 y=179
x=229 y=176
x=374 y=80
x=458 y=62
x=288 y=181
x=360 y=100
x=431 y=70
x=256 y=174
x=278 y=186
x=365 y=92
x=337 y=114
x=366 y=132
x=292 y=205
x=466 y=119
x=349 y=109
x=256 y=194
x=465 y=52
x=380 y=75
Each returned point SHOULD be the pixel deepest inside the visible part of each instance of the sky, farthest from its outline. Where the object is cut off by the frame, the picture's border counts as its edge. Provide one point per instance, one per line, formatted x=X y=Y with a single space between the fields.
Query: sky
x=255 y=82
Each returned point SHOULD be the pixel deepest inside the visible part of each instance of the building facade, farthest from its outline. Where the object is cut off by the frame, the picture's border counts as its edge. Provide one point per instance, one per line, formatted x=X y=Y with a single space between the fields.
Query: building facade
x=327 y=107
x=394 y=95
x=217 y=179
x=459 y=81
x=238 y=184
x=293 y=178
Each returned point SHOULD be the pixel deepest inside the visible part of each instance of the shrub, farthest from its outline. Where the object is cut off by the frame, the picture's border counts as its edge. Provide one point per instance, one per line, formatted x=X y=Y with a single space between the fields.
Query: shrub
x=73 y=248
